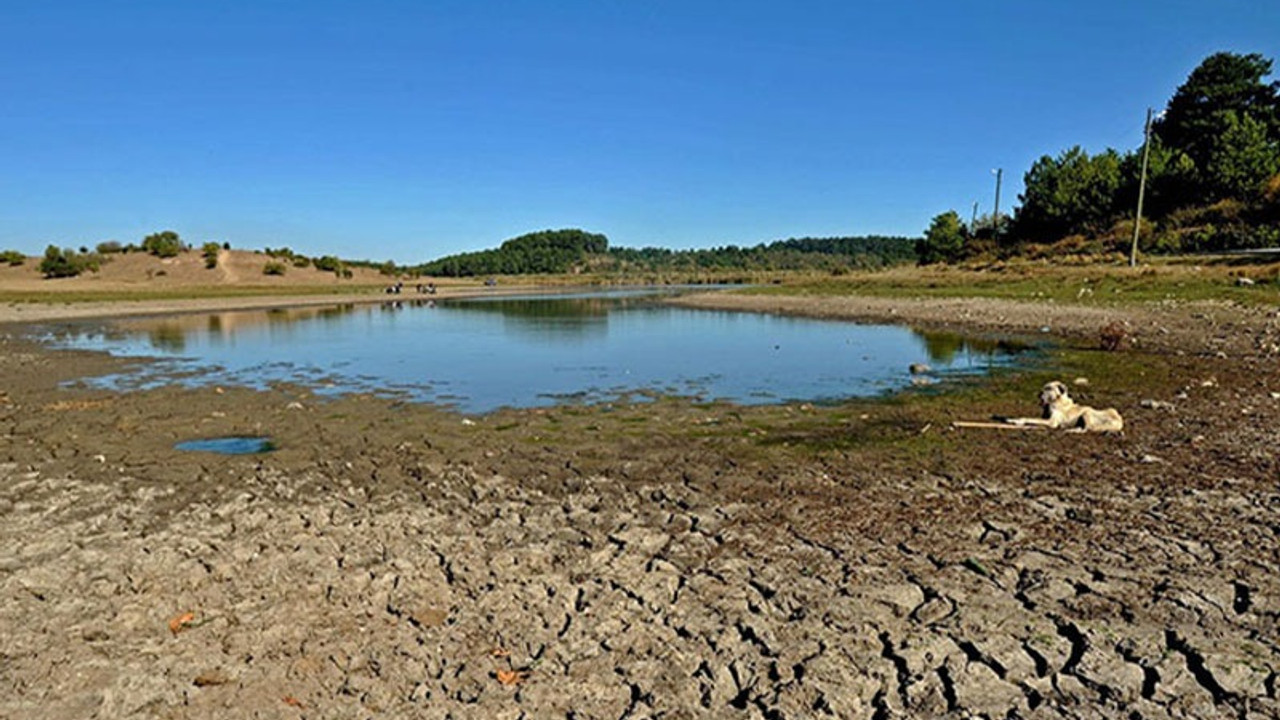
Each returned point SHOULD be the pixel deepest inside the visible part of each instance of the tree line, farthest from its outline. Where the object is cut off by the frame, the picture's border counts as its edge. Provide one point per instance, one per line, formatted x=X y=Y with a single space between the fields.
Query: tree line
x=576 y=251
x=1212 y=180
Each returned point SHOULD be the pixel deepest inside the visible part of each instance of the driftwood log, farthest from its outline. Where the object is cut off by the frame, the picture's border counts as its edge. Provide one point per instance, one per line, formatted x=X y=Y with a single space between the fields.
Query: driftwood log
x=995 y=425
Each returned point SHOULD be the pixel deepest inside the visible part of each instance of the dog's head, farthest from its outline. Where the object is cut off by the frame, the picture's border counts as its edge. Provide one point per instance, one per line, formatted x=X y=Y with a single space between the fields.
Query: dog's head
x=1053 y=392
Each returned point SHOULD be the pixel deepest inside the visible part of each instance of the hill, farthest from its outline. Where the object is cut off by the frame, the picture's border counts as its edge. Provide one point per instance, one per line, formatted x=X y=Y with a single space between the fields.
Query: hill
x=138 y=271
x=576 y=251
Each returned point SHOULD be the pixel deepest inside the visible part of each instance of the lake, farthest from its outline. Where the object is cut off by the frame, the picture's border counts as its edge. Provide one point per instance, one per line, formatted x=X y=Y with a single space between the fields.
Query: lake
x=484 y=353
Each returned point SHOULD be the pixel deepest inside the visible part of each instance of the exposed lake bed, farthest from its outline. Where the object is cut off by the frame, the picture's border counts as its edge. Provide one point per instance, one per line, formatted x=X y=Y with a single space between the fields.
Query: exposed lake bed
x=670 y=555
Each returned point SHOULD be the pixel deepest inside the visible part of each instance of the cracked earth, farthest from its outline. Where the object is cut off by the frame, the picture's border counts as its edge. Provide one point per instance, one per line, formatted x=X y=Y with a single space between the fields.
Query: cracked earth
x=394 y=561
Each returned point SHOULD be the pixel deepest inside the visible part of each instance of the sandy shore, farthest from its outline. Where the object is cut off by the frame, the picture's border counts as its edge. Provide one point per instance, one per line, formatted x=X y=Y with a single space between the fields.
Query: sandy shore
x=43 y=311
x=662 y=560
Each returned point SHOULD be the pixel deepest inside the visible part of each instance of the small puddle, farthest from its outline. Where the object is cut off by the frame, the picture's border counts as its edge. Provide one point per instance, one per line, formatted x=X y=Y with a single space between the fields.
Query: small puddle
x=229 y=445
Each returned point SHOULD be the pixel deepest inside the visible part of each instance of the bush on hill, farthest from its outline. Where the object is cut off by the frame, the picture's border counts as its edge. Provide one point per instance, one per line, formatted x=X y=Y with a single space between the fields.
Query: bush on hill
x=65 y=262
x=163 y=244
x=210 y=252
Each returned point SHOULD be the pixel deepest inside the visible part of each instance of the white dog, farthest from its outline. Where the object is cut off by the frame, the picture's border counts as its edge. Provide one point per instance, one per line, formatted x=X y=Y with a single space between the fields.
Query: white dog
x=1061 y=412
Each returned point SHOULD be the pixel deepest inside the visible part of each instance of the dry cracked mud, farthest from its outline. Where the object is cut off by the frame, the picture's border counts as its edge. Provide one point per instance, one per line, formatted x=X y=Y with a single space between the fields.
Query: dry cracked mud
x=669 y=560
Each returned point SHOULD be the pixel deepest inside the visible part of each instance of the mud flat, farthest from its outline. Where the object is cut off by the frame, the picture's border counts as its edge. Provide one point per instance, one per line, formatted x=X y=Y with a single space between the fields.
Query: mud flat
x=662 y=559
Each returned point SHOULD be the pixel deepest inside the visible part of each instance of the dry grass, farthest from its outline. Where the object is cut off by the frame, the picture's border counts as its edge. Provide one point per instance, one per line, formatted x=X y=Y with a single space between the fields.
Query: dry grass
x=1176 y=279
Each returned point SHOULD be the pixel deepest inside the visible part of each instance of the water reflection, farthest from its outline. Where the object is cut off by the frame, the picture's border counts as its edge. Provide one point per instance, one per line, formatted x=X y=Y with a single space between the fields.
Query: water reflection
x=946 y=347
x=169 y=337
x=555 y=319
x=527 y=351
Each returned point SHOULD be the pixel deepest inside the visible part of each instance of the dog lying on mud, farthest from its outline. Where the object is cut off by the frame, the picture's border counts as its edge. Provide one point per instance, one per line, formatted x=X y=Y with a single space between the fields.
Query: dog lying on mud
x=1061 y=412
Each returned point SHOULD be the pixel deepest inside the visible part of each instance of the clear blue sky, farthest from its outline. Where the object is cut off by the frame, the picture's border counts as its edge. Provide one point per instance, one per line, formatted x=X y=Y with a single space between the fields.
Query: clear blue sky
x=404 y=130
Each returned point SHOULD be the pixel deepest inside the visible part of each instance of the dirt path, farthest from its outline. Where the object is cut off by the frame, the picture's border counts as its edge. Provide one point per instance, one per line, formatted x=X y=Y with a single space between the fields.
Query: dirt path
x=666 y=560
x=225 y=268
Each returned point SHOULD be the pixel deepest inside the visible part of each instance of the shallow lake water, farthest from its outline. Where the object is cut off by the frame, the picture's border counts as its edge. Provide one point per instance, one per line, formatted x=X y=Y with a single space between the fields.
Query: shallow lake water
x=521 y=351
x=233 y=445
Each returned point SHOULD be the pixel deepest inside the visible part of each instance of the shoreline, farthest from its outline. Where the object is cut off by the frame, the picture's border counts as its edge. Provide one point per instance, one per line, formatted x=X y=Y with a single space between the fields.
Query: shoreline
x=1163 y=327
x=1203 y=327
x=41 y=311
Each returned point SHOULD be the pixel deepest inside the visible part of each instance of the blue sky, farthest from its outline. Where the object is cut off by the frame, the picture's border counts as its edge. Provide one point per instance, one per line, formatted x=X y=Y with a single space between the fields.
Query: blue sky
x=406 y=130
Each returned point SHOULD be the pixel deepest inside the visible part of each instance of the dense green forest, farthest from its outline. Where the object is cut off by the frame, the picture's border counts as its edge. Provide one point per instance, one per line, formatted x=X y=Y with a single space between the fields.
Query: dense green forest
x=547 y=251
x=1212 y=181
x=574 y=251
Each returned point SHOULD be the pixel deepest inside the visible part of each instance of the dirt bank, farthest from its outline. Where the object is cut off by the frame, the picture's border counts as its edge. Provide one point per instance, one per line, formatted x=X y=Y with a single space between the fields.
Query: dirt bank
x=1199 y=327
x=657 y=560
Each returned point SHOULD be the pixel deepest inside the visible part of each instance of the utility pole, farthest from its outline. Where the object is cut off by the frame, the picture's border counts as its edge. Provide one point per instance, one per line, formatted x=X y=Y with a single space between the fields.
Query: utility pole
x=1142 y=188
x=973 y=224
x=995 y=217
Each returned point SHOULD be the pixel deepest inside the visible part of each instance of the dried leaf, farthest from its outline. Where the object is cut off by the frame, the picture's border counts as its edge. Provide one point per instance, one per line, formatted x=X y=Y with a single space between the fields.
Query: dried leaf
x=512 y=677
x=181 y=622
x=499 y=653
x=292 y=701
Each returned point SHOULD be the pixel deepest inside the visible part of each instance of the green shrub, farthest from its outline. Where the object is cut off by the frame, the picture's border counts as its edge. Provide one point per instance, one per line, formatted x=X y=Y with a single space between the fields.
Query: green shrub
x=12 y=257
x=65 y=262
x=210 y=252
x=109 y=247
x=301 y=261
x=273 y=268
x=164 y=244
x=328 y=263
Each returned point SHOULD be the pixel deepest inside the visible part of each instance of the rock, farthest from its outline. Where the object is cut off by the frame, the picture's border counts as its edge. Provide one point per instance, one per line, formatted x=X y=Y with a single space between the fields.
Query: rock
x=1157 y=405
x=211 y=678
x=1081 y=381
x=919 y=368
x=1245 y=282
x=430 y=616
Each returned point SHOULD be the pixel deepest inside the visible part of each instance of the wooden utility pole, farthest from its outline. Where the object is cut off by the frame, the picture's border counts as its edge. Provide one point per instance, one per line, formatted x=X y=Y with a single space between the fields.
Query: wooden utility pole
x=1142 y=188
x=995 y=217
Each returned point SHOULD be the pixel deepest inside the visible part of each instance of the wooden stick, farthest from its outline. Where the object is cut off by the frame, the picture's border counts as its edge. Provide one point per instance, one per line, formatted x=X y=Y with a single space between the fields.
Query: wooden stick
x=995 y=425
